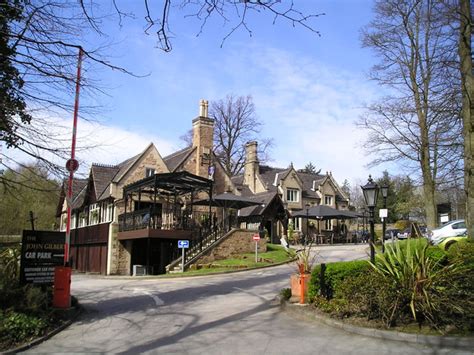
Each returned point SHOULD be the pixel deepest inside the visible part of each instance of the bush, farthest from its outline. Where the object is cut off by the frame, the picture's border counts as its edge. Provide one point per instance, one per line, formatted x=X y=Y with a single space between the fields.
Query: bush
x=411 y=270
x=462 y=253
x=286 y=293
x=334 y=275
x=15 y=327
x=402 y=224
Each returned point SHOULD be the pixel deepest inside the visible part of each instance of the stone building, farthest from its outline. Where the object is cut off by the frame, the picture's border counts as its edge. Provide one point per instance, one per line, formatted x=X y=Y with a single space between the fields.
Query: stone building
x=297 y=189
x=98 y=241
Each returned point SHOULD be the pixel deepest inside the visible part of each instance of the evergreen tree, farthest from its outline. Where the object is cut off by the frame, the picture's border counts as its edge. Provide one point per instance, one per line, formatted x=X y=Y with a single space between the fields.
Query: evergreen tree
x=12 y=104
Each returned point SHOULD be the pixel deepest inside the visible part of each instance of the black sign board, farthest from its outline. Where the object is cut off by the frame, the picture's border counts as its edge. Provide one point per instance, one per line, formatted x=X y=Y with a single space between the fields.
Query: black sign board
x=41 y=251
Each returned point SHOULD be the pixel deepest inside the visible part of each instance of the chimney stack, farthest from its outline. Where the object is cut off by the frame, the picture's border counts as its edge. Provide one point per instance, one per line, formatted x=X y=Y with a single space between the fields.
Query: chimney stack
x=251 y=168
x=203 y=132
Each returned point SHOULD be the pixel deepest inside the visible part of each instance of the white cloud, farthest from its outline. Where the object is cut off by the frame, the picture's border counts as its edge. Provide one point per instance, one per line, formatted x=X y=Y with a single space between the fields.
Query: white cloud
x=96 y=143
x=309 y=108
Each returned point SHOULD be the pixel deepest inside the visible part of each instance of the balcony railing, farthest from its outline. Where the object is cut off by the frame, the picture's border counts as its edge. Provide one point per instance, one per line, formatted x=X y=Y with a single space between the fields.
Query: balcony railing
x=200 y=222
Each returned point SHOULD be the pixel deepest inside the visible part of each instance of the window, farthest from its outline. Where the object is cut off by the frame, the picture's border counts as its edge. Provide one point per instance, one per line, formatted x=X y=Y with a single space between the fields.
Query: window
x=328 y=200
x=292 y=195
x=107 y=212
x=459 y=225
x=83 y=218
x=149 y=172
x=328 y=225
x=94 y=214
x=73 y=221
x=297 y=224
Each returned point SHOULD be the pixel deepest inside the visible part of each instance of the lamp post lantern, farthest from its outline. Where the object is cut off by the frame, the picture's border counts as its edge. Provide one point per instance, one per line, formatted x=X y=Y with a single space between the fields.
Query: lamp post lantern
x=384 y=190
x=371 y=191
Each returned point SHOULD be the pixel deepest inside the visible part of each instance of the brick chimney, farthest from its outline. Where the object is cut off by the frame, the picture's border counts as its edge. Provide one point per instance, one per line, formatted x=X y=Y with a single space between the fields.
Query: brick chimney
x=251 y=168
x=203 y=131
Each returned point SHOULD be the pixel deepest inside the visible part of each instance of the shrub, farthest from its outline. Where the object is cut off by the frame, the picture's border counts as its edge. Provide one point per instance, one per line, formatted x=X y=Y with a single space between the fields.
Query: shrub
x=411 y=270
x=16 y=326
x=373 y=296
x=286 y=293
x=402 y=224
x=462 y=253
x=334 y=275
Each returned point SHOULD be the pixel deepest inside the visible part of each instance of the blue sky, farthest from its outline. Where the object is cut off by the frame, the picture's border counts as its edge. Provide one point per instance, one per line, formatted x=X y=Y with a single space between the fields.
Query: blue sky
x=308 y=90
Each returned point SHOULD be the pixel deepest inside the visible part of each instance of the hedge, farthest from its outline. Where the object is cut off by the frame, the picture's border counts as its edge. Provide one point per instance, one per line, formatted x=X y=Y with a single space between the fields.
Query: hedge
x=334 y=274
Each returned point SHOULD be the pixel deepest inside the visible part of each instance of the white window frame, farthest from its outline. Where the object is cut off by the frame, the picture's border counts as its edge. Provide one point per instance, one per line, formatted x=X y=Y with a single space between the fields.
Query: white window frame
x=297 y=224
x=328 y=200
x=328 y=225
x=73 y=221
x=292 y=195
x=94 y=208
x=149 y=172
x=83 y=220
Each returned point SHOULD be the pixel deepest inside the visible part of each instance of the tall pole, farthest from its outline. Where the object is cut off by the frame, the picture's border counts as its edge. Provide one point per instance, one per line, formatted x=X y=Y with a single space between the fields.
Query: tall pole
x=72 y=166
x=384 y=224
x=372 y=234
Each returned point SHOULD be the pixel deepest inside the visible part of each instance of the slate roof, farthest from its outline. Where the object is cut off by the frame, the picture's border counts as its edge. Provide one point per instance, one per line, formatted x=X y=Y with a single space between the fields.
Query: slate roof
x=125 y=166
x=102 y=176
x=268 y=175
x=264 y=198
x=174 y=161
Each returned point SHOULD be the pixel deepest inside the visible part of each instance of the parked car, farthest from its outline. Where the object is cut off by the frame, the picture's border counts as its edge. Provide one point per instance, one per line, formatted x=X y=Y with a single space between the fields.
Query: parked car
x=391 y=233
x=450 y=229
x=404 y=234
x=447 y=242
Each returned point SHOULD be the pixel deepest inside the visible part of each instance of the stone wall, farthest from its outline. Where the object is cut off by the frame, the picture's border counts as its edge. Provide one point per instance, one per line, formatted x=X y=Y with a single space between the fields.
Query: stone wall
x=124 y=257
x=238 y=241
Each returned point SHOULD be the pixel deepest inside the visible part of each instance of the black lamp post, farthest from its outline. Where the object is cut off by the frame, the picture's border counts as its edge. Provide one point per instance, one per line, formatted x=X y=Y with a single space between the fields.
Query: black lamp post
x=371 y=191
x=307 y=224
x=384 y=190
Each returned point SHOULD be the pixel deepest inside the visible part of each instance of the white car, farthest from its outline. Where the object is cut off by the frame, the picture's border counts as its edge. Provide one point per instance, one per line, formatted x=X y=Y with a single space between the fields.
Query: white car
x=450 y=229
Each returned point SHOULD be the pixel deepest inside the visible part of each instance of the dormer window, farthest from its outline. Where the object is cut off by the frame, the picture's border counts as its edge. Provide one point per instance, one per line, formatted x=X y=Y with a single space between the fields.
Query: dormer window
x=149 y=172
x=328 y=200
x=292 y=195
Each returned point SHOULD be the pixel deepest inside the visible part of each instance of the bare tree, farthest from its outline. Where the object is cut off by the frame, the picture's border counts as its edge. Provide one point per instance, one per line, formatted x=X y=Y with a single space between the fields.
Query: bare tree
x=236 y=124
x=235 y=14
x=417 y=124
x=39 y=42
x=39 y=45
x=465 y=55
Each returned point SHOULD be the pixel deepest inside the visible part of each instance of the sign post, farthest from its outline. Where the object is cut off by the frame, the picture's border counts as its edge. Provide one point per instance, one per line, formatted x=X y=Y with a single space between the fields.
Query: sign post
x=256 y=237
x=183 y=244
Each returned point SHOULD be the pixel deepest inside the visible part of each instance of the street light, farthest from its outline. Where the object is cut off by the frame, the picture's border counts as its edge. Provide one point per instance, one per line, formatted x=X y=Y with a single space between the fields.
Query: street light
x=384 y=190
x=371 y=191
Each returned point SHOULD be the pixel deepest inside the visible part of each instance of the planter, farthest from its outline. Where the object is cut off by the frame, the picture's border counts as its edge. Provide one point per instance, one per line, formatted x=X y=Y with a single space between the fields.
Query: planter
x=295 y=283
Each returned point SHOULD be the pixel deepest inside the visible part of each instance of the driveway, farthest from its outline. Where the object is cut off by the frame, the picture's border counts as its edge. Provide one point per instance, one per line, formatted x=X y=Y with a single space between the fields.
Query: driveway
x=222 y=314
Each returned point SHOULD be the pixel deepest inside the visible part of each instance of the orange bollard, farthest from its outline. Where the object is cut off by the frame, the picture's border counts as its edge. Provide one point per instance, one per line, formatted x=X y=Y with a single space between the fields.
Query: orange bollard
x=302 y=279
x=62 y=287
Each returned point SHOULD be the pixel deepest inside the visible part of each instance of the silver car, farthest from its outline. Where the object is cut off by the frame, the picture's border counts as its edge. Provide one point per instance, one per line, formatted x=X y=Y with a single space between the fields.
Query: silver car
x=450 y=229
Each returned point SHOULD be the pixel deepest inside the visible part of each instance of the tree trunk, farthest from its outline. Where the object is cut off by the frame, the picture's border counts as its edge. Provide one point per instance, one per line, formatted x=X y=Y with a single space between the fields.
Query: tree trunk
x=467 y=110
x=430 y=204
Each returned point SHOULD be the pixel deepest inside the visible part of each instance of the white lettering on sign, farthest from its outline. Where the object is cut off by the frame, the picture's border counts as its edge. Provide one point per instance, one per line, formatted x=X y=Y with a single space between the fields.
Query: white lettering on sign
x=30 y=255
x=44 y=255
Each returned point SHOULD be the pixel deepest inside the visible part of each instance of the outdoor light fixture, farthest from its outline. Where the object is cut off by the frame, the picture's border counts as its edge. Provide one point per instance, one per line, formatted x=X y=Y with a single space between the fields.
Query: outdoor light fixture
x=371 y=191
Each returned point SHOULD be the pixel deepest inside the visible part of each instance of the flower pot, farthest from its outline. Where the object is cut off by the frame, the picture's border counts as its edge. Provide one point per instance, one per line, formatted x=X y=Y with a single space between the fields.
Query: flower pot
x=295 y=283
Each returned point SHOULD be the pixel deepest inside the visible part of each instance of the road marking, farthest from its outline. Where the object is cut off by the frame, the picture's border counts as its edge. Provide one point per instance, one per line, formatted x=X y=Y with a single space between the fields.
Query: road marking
x=158 y=300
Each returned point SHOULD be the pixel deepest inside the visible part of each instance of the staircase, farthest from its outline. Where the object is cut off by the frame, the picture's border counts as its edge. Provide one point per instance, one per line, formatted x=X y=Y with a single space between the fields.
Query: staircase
x=197 y=249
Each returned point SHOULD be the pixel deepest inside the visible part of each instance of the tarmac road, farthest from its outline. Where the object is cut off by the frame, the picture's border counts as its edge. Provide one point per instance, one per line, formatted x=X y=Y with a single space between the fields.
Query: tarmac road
x=222 y=314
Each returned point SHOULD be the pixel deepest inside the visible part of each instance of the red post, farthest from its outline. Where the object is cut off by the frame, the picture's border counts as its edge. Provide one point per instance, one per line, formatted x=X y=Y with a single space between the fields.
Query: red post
x=302 y=286
x=62 y=287
x=73 y=155
x=62 y=274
